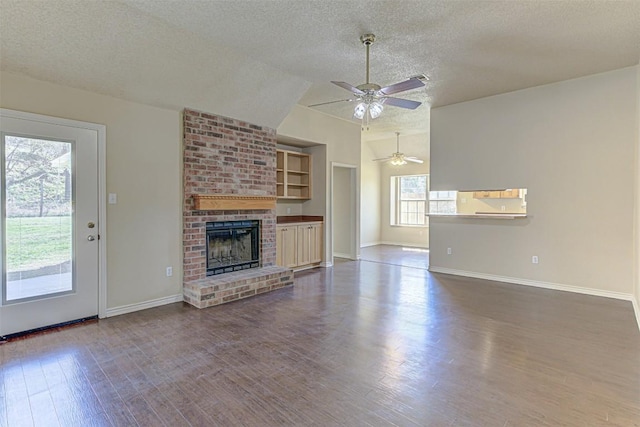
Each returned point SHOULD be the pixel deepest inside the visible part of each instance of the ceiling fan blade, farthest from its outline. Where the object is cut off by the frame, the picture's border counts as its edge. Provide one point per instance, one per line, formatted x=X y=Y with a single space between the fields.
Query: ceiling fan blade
x=348 y=87
x=401 y=87
x=330 y=102
x=384 y=159
x=414 y=160
x=402 y=103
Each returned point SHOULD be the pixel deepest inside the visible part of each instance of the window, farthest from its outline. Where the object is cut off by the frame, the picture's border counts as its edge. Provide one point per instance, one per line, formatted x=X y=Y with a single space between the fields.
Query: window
x=409 y=199
x=443 y=202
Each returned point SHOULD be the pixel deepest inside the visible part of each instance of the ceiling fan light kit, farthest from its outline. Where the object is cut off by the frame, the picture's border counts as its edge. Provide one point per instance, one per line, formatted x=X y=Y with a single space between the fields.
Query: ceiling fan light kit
x=398 y=160
x=370 y=97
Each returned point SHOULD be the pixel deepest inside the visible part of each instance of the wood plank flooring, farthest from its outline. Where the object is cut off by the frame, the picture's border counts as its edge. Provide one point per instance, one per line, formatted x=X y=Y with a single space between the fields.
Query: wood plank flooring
x=359 y=344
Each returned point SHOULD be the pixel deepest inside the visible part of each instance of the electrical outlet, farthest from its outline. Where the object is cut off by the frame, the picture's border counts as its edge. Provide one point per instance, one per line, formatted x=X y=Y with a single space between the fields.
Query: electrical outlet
x=503 y=208
x=534 y=259
x=448 y=251
x=113 y=198
x=169 y=271
x=463 y=200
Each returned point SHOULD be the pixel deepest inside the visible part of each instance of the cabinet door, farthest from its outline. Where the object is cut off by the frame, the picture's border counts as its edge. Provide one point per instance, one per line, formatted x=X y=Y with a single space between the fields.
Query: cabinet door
x=512 y=193
x=481 y=194
x=303 y=244
x=315 y=243
x=286 y=253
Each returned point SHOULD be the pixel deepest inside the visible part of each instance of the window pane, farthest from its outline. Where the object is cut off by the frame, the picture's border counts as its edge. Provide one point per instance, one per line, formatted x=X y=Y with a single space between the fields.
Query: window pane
x=413 y=187
x=37 y=217
x=411 y=199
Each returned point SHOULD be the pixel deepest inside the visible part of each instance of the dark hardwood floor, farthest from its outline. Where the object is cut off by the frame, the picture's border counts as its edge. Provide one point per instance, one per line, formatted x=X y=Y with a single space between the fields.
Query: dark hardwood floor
x=359 y=344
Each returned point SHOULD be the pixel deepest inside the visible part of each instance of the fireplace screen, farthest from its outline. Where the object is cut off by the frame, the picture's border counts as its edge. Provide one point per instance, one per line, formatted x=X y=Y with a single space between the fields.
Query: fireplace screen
x=232 y=246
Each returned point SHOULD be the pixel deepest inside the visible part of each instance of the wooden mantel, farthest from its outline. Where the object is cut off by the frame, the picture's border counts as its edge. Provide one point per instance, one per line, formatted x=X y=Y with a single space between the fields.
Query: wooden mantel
x=227 y=202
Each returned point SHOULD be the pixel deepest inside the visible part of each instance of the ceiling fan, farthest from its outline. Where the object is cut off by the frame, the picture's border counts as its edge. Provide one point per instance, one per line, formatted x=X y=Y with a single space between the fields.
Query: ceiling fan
x=398 y=158
x=371 y=97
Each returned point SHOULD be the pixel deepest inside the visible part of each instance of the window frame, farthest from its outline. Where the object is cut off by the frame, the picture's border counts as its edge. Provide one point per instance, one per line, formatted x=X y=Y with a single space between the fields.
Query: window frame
x=396 y=201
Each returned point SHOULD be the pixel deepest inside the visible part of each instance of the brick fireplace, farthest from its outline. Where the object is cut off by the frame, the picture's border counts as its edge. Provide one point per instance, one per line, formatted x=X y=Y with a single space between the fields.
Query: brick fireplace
x=235 y=161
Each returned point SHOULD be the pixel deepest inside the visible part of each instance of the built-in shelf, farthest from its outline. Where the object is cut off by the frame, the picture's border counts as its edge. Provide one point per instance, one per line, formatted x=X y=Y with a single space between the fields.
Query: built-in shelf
x=293 y=175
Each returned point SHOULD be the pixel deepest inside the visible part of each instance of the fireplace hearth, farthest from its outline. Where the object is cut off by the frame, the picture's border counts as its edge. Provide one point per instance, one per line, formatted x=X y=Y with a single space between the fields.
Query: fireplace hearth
x=232 y=246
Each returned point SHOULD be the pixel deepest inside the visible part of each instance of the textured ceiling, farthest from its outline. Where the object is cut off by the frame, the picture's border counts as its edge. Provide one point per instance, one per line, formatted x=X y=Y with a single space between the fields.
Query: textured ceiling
x=255 y=59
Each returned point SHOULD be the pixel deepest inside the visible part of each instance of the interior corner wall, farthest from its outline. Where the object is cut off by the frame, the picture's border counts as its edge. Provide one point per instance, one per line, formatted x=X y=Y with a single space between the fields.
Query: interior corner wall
x=341 y=139
x=572 y=145
x=144 y=160
x=415 y=236
x=342 y=206
x=637 y=203
x=370 y=198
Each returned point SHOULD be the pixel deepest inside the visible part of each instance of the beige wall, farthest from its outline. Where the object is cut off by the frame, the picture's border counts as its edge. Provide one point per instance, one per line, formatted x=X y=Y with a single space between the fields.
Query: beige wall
x=144 y=169
x=369 y=198
x=575 y=138
x=392 y=234
x=637 y=203
x=341 y=141
x=342 y=212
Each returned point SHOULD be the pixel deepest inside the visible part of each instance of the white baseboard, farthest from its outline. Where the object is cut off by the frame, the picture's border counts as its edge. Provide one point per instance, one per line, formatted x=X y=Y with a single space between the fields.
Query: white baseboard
x=410 y=245
x=326 y=264
x=535 y=283
x=636 y=308
x=340 y=255
x=130 y=308
x=366 y=245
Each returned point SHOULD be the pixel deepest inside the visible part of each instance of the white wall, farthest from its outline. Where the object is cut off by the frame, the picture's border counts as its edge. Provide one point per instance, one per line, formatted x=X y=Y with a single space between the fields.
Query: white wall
x=571 y=144
x=393 y=234
x=144 y=160
x=341 y=141
x=369 y=198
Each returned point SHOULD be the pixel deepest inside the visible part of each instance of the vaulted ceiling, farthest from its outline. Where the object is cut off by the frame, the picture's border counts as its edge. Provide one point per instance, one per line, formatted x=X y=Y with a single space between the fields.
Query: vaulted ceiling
x=255 y=59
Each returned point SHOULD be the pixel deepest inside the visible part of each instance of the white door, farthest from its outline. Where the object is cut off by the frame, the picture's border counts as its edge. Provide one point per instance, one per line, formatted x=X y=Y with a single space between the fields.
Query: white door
x=49 y=221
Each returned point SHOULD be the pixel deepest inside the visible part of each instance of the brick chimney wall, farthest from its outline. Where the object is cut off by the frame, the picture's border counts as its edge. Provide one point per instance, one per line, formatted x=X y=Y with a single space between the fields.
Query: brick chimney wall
x=225 y=156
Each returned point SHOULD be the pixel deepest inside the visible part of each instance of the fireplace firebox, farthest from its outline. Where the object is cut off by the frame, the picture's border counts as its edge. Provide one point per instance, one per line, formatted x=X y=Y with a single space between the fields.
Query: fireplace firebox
x=232 y=246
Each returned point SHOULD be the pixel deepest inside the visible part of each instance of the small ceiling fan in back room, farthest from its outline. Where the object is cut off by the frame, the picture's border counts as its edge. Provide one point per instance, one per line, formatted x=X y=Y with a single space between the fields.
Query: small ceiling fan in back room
x=398 y=158
x=371 y=98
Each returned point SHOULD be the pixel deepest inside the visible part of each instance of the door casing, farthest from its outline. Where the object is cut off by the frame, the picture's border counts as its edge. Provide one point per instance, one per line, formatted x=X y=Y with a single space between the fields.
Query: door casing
x=102 y=210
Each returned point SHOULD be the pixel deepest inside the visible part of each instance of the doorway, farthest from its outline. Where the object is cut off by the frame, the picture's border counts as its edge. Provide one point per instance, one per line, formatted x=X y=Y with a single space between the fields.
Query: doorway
x=344 y=211
x=50 y=222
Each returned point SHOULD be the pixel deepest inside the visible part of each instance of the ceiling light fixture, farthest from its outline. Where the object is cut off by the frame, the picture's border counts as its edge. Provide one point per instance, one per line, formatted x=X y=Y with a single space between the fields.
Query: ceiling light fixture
x=368 y=108
x=398 y=159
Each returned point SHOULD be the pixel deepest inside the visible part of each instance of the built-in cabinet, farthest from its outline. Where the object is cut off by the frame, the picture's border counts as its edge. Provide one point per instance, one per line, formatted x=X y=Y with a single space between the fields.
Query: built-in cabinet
x=299 y=245
x=293 y=175
x=512 y=193
x=286 y=246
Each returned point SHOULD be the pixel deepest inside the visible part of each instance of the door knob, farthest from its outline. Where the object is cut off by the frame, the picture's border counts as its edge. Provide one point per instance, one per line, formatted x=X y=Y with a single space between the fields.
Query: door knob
x=91 y=238
x=91 y=225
